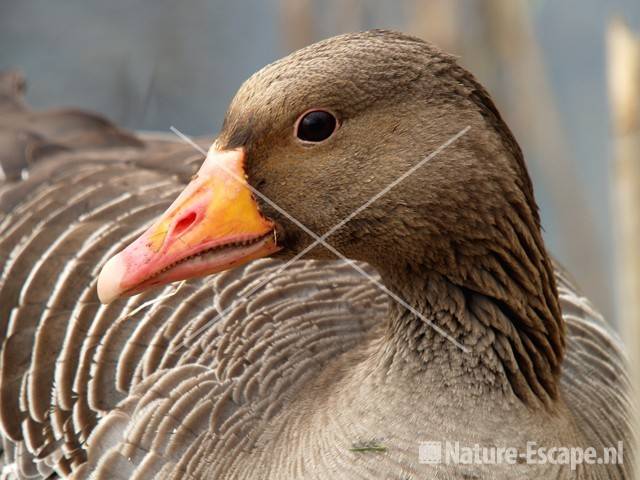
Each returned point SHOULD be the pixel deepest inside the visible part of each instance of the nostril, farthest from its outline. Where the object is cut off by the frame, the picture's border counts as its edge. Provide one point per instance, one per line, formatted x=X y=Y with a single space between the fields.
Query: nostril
x=184 y=223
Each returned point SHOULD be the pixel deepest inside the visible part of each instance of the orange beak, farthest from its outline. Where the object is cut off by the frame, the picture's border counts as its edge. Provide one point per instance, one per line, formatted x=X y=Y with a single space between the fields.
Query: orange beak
x=214 y=225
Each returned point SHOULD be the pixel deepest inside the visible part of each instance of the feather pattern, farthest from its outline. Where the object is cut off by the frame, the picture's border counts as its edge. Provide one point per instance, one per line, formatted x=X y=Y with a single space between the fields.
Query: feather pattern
x=211 y=379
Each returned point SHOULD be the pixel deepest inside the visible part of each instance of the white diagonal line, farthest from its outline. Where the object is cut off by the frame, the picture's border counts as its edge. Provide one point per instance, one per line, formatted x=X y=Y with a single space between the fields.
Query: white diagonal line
x=321 y=240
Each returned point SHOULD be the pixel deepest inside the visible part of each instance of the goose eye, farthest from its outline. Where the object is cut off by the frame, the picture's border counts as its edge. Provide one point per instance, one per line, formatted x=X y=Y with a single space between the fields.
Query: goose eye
x=316 y=126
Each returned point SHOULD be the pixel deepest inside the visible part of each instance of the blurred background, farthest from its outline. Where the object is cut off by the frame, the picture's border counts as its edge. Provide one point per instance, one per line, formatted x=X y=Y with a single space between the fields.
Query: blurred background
x=151 y=64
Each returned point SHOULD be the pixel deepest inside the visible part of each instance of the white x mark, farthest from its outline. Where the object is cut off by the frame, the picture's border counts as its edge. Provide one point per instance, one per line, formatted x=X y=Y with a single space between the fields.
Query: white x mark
x=321 y=240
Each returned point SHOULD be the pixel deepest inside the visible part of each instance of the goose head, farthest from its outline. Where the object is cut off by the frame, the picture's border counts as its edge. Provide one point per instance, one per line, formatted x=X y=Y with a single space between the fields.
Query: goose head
x=376 y=143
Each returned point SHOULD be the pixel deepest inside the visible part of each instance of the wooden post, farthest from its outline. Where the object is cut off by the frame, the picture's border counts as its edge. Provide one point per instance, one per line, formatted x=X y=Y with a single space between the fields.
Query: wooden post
x=437 y=21
x=297 y=28
x=624 y=94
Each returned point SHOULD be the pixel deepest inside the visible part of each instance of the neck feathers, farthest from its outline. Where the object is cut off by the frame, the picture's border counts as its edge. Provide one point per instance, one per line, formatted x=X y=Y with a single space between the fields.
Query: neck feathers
x=496 y=295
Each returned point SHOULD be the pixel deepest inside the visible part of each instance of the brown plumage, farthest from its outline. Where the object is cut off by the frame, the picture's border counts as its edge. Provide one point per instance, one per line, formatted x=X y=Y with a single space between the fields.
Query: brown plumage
x=318 y=360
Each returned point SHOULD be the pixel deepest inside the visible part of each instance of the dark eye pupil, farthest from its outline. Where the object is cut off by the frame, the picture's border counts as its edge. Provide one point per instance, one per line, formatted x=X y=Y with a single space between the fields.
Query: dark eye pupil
x=316 y=126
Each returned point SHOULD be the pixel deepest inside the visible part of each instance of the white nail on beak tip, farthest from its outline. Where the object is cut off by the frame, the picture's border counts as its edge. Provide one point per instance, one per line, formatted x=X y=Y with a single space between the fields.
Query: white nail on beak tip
x=109 y=279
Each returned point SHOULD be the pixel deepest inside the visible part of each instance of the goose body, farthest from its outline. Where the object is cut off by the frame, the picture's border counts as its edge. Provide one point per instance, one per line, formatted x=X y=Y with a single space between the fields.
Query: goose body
x=317 y=373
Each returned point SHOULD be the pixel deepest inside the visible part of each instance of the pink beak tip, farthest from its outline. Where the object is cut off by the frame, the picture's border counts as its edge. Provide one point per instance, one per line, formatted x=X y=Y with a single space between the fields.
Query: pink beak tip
x=110 y=278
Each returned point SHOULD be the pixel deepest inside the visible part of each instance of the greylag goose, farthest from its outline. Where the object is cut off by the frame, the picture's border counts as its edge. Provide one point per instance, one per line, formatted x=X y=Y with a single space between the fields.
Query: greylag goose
x=448 y=322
